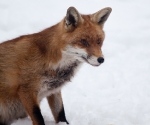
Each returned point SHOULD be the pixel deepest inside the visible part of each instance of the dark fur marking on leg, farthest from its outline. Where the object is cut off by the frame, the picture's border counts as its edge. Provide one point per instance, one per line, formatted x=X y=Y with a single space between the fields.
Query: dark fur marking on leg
x=62 y=117
x=2 y=124
x=38 y=116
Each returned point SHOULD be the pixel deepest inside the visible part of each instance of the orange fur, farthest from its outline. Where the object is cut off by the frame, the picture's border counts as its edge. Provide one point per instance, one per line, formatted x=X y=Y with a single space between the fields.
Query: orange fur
x=27 y=64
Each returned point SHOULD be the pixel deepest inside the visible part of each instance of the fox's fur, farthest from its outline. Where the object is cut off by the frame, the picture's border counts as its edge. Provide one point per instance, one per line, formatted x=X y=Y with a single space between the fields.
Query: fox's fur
x=38 y=65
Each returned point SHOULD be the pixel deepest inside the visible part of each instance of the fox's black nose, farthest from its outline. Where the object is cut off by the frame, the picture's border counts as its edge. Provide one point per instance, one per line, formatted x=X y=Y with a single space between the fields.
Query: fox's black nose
x=100 y=59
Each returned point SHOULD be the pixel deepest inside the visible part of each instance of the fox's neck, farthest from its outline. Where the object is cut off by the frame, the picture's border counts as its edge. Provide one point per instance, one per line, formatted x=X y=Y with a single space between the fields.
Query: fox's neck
x=56 y=44
x=53 y=49
x=66 y=61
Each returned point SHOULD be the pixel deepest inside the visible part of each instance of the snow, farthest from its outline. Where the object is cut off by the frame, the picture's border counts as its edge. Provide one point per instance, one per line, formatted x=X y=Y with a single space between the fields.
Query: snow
x=117 y=92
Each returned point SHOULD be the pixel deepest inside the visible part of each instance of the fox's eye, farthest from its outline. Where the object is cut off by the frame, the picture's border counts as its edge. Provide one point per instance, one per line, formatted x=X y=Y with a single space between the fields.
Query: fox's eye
x=84 y=42
x=98 y=42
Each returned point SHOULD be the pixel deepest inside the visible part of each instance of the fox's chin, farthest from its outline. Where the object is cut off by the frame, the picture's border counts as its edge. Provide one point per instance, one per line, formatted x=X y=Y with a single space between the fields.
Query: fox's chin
x=85 y=60
x=96 y=65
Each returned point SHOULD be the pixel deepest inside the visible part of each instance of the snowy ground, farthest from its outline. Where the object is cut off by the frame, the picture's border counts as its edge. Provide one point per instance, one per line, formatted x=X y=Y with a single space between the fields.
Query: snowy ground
x=117 y=92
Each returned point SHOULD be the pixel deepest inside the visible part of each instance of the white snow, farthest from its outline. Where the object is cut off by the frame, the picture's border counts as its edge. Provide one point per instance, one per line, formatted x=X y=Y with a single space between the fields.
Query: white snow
x=117 y=92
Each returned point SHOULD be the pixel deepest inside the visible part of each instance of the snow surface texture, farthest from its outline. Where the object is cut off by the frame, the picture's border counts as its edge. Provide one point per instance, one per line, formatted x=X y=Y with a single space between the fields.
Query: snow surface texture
x=117 y=92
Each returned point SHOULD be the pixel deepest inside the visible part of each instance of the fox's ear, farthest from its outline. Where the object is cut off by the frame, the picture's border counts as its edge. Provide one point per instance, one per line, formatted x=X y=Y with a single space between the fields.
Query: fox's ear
x=101 y=16
x=72 y=19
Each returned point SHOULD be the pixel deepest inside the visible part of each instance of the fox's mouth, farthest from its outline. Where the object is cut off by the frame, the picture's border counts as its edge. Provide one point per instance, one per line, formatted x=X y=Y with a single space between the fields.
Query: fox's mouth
x=86 y=60
x=82 y=55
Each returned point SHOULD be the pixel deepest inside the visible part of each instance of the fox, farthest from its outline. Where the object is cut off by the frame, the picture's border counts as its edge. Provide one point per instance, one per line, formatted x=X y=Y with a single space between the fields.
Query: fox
x=38 y=65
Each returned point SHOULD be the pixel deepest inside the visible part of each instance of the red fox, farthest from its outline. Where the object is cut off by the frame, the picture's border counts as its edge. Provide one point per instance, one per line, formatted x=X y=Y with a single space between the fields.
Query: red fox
x=38 y=65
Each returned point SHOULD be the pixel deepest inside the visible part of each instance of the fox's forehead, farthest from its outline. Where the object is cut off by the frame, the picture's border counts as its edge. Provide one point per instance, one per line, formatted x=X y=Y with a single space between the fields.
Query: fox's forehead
x=88 y=28
x=90 y=33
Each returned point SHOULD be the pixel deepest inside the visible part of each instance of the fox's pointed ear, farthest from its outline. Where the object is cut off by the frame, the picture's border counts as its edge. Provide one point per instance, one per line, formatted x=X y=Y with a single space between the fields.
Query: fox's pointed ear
x=72 y=19
x=101 y=16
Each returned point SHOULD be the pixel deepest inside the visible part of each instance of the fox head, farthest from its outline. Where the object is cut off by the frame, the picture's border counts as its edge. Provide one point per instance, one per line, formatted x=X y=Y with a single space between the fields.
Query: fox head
x=84 y=35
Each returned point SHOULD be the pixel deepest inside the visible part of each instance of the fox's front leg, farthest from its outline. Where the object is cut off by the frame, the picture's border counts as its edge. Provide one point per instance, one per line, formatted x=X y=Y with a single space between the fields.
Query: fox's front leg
x=30 y=103
x=56 y=105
